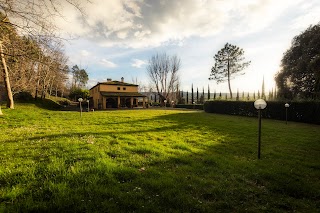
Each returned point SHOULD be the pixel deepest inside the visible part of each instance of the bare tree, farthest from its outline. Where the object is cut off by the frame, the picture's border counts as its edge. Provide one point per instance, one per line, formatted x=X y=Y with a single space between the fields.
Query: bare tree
x=163 y=73
x=31 y=18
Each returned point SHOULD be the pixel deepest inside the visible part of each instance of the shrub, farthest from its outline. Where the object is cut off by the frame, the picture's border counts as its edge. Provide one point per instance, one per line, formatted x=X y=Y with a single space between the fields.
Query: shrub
x=23 y=97
x=307 y=111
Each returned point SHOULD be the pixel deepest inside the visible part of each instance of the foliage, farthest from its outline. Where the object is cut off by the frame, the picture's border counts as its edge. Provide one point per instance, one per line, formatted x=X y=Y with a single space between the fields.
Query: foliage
x=76 y=93
x=300 y=73
x=23 y=96
x=229 y=61
x=306 y=111
x=80 y=77
x=154 y=161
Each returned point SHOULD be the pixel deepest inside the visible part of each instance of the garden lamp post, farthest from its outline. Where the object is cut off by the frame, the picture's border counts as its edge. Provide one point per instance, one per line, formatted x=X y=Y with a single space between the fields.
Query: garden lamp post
x=88 y=105
x=80 y=100
x=286 y=106
x=259 y=104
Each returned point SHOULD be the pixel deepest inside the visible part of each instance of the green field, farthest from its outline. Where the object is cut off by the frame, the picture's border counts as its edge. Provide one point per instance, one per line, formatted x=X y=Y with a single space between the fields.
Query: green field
x=155 y=161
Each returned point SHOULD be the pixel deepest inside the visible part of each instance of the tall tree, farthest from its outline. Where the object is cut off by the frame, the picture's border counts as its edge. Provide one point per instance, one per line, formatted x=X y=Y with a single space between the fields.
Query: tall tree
x=163 y=73
x=300 y=66
x=32 y=19
x=197 y=95
x=208 y=92
x=229 y=62
x=192 y=98
x=203 y=94
x=187 y=97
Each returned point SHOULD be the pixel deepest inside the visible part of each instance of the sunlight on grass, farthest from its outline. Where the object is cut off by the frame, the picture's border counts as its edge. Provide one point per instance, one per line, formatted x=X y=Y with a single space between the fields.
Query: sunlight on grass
x=154 y=161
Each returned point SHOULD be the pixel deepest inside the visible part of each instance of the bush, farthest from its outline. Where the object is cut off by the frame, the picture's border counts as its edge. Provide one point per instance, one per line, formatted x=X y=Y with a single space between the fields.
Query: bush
x=307 y=112
x=23 y=97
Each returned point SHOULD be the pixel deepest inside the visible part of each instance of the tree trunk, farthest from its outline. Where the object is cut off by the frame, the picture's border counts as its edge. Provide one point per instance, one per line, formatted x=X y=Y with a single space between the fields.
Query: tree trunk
x=10 y=102
x=229 y=79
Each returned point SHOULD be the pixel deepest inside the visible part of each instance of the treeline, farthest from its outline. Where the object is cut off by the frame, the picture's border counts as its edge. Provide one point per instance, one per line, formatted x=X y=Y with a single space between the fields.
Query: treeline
x=36 y=65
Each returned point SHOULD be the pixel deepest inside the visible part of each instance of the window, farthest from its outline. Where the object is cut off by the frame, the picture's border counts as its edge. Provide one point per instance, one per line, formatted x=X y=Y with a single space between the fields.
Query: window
x=124 y=88
x=118 y=88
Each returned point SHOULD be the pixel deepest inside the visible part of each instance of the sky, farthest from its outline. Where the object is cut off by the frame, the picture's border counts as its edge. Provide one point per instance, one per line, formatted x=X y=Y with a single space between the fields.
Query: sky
x=118 y=37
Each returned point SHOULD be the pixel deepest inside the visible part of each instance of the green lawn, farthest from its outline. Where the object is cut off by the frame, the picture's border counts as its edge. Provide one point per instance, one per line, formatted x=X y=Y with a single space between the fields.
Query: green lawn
x=155 y=161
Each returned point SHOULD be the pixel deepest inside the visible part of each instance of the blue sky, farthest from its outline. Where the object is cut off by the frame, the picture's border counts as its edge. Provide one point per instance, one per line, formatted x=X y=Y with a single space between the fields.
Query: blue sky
x=118 y=37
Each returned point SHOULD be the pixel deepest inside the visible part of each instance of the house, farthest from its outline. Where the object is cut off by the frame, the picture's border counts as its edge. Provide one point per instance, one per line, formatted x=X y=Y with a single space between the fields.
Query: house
x=116 y=94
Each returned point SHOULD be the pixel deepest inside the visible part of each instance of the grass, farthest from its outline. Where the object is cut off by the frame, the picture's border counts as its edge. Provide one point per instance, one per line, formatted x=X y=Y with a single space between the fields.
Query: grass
x=155 y=161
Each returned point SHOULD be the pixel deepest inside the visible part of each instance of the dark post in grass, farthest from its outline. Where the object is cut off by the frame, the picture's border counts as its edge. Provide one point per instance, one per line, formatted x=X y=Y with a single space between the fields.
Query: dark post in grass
x=286 y=106
x=80 y=100
x=259 y=104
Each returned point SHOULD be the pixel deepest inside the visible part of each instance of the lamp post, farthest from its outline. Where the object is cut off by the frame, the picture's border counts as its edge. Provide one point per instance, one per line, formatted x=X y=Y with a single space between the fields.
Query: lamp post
x=286 y=106
x=194 y=105
x=259 y=104
x=88 y=105
x=80 y=100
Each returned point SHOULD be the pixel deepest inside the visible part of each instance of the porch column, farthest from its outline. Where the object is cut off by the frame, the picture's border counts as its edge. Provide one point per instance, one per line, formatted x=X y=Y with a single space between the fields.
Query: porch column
x=131 y=102
x=143 y=102
x=104 y=104
x=118 y=102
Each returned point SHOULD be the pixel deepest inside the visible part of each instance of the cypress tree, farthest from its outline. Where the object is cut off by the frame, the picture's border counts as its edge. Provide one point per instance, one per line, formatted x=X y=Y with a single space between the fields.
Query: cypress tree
x=237 y=98
x=197 y=95
x=203 y=94
x=192 y=98
x=187 y=98
x=208 y=92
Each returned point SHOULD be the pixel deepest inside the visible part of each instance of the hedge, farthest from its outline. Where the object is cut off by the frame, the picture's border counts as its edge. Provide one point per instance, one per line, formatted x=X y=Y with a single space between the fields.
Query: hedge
x=190 y=106
x=307 y=112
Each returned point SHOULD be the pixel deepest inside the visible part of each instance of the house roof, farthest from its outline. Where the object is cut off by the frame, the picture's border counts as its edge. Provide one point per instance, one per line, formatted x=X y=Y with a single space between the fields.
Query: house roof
x=122 y=94
x=117 y=83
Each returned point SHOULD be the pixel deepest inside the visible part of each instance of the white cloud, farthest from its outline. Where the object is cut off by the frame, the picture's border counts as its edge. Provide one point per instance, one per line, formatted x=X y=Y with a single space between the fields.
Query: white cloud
x=108 y=63
x=138 y=63
x=84 y=53
x=145 y=23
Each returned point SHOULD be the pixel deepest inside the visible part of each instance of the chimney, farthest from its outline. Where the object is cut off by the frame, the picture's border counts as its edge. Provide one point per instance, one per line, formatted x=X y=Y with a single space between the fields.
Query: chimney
x=122 y=79
x=109 y=79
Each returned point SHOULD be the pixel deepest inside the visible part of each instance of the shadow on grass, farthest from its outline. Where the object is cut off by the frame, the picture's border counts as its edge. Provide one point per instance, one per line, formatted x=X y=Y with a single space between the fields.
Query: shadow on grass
x=214 y=172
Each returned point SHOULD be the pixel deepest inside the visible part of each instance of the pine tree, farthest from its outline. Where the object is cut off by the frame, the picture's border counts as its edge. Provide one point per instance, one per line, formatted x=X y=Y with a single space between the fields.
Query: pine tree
x=229 y=61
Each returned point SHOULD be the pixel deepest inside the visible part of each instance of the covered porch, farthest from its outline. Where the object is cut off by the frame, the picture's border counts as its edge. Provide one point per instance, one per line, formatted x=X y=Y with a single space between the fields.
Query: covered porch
x=117 y=100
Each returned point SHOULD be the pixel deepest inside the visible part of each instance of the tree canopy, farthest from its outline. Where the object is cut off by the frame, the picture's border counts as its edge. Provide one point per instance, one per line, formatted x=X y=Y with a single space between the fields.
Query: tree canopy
x=299 y=76
x=229 y=61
